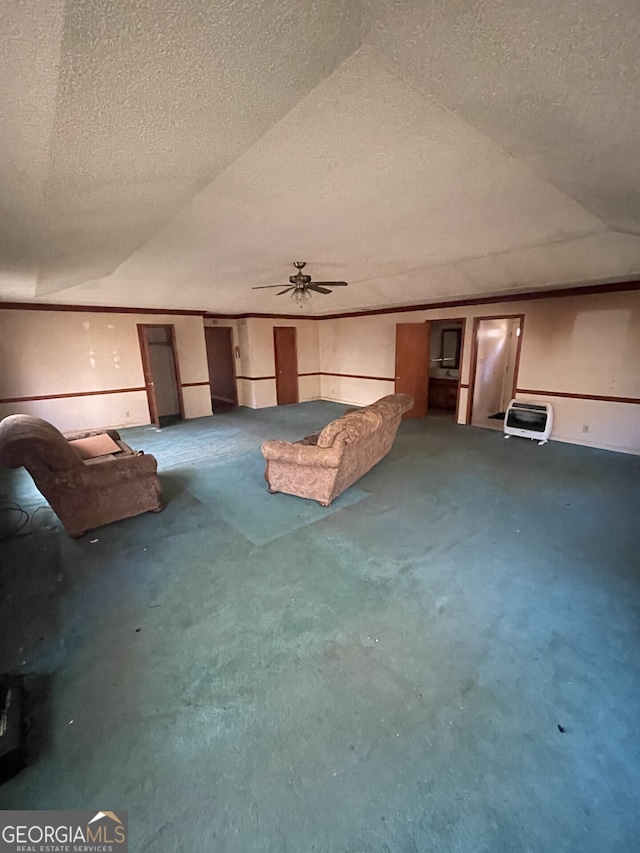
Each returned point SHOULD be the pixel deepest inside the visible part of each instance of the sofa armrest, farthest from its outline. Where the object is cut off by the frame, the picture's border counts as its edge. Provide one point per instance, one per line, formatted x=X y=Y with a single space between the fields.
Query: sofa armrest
x=301 y=454
x=108 y=471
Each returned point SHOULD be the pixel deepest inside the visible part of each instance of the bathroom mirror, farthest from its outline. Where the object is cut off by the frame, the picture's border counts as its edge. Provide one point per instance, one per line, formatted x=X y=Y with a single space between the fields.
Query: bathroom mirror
x=450 y=345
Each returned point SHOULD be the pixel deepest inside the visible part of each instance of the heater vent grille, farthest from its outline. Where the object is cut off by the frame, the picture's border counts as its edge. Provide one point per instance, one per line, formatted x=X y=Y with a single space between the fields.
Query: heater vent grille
x=528 y=420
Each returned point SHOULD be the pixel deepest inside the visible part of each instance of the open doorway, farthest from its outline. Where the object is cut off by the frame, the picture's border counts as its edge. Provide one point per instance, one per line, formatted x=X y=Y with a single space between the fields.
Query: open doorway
x=161 y=373
x=494 y=368
x=222 y=374
x=445 y=358
x=428 y=359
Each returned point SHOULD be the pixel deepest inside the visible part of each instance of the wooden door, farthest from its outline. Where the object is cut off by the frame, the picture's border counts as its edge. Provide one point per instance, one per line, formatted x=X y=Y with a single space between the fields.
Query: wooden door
x=286 y=359
x=152 y=335
x=412 y=365
x=222 y=376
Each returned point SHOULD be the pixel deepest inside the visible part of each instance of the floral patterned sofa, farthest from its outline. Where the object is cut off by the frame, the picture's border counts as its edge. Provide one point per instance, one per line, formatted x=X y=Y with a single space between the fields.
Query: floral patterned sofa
x=323 y=465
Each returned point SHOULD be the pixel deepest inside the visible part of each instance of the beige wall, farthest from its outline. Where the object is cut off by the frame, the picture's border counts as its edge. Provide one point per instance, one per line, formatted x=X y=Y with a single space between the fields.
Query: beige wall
x=44 y=353
x=256 y=365
x=586 y=345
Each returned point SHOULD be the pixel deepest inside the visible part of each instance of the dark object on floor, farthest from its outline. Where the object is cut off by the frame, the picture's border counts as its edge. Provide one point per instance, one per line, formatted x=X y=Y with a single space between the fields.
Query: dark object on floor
x=561 y=728
x=83 y=493
x=218 y=407
x=12 y=728
x=18 y=516
x=499 y=416
x=322 y=466
x=169 y=420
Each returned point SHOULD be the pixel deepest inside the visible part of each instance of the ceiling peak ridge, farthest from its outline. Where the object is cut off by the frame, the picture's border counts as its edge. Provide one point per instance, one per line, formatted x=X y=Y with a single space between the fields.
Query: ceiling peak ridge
x=498 y=254
x=205 y=185
x=370 y=50
x=64 y=88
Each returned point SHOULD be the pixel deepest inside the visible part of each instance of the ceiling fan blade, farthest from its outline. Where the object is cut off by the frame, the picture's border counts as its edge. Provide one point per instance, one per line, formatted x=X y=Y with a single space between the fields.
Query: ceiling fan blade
x=317 y=288
x=286 y=290
x=264 y=286
x=331 y=283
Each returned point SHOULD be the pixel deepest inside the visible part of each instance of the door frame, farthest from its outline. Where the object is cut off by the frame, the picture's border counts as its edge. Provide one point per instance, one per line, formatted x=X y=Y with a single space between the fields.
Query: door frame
x=474 y=356
x=148 y=374
x=463 y=335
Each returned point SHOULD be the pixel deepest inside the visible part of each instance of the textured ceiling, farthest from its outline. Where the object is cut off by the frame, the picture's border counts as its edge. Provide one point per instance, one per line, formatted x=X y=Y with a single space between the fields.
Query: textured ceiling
x=175 y=153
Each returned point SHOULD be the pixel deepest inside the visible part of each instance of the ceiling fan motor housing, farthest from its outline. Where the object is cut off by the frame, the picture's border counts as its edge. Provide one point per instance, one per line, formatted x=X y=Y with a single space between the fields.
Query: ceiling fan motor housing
x=300 y=279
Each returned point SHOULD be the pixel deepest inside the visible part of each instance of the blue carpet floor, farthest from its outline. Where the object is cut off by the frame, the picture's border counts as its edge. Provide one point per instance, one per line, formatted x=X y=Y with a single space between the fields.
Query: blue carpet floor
x=446 y=659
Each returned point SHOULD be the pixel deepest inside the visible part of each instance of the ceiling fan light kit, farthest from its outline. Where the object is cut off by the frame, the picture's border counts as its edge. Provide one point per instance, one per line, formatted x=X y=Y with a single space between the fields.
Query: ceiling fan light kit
x=300 y=295
x=302 y=285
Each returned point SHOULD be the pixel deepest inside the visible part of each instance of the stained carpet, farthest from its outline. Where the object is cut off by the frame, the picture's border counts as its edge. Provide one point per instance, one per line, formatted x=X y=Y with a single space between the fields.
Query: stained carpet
x=448 y=661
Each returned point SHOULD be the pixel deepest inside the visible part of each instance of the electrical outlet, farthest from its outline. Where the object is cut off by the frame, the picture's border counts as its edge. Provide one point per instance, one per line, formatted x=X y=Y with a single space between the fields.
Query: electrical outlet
x=127 y=414
x=585 y=427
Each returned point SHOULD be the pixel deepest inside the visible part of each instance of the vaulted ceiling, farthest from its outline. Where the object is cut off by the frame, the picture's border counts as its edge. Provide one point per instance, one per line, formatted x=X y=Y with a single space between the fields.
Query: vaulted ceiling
x=177 y=153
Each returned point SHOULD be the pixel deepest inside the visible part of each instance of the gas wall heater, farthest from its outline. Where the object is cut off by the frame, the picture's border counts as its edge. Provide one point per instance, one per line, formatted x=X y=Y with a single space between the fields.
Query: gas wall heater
x=528 y=420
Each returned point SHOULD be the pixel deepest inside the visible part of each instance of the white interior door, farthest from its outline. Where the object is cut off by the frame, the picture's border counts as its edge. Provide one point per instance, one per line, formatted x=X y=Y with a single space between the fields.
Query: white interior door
x=497 y=342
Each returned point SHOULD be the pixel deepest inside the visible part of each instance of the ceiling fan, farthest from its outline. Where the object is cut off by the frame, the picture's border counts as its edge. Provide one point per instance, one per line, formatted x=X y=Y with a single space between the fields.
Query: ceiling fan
x=302 y=285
